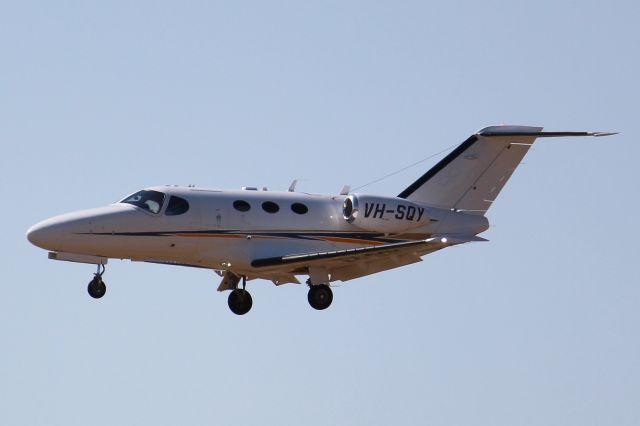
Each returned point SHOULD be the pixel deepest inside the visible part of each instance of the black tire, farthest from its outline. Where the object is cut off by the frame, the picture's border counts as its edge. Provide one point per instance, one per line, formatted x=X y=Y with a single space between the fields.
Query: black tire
x=240 y=301
x=320 y=296
x=97 y=288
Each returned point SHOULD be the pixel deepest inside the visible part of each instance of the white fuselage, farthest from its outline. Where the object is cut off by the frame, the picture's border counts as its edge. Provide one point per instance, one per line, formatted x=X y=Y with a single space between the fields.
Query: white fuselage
x=214 y=233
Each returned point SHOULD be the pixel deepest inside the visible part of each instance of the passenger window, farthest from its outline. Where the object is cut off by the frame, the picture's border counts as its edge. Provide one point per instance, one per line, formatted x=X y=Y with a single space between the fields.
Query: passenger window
x=176 y=206
x=241 y=205
x=299 y=208
x=270 y=207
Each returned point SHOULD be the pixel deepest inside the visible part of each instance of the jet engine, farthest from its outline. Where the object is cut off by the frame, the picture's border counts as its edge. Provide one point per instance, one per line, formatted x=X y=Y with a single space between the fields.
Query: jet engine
x=389 y=215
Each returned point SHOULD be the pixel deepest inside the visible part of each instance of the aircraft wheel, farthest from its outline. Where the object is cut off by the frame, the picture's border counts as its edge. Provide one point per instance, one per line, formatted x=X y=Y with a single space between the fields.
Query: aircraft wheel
x=240 y=301
x=96 y=288
x=320 y=296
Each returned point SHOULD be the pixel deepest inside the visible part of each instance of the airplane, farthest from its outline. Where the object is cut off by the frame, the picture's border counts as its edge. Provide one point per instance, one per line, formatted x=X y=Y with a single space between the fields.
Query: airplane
x=281 y=235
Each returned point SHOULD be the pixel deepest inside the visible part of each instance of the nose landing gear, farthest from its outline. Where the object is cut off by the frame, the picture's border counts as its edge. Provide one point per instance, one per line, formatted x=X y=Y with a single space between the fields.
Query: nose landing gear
x=97 y=288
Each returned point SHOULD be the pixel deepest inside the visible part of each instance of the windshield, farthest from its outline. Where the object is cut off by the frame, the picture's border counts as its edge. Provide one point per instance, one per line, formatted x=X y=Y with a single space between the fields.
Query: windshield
x=149 y=200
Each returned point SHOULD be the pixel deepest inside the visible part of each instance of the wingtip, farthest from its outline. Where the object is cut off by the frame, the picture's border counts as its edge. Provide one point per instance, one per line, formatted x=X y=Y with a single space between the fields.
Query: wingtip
x=599 y=134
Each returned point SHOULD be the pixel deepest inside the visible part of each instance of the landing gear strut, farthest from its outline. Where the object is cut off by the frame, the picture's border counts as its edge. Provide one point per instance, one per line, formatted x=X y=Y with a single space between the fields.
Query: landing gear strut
x=240 y=301
x=97 y=287
x=320 y=296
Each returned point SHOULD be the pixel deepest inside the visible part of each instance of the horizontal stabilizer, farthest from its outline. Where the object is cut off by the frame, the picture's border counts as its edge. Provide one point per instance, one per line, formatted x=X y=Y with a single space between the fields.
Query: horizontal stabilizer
x=496 y=131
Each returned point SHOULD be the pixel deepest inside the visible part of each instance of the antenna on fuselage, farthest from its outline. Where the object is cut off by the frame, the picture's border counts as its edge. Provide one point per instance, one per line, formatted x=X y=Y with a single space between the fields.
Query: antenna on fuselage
x=345 y=190
x=292 y=187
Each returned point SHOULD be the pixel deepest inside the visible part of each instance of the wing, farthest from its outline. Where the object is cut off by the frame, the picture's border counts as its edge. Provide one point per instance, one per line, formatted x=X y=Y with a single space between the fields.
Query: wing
x=344 y=265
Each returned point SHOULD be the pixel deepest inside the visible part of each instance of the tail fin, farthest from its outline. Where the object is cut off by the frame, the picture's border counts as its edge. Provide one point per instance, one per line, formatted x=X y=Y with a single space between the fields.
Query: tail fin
x=472 y=175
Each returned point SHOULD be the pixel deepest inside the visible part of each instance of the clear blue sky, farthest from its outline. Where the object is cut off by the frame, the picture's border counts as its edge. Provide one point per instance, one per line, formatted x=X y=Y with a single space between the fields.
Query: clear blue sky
x=537 y=327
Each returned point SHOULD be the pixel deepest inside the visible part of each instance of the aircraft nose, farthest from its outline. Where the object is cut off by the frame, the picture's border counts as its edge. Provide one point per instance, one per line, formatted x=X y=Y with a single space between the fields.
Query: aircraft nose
x=73 y=232
x=46 y=234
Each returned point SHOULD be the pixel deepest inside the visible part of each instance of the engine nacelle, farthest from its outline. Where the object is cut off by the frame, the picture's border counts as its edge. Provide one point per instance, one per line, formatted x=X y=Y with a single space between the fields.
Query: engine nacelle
x=389 y=215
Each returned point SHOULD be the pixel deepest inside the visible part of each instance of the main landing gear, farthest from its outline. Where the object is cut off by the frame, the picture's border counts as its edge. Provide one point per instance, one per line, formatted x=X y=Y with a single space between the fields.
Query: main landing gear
x=240 y=301
x=320 y=296
x=97 y=288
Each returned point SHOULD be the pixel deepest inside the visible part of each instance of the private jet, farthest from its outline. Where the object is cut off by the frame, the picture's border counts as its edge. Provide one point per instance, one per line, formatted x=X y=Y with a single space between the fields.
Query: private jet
x=281 y=236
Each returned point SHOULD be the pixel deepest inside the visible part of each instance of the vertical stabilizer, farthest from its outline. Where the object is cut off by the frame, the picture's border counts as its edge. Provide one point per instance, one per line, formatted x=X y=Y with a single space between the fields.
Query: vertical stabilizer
x=472 y=175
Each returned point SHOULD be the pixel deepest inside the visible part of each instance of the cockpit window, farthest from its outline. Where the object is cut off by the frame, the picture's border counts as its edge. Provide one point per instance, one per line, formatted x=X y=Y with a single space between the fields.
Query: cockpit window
x=176 y=206
x=149 y=200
